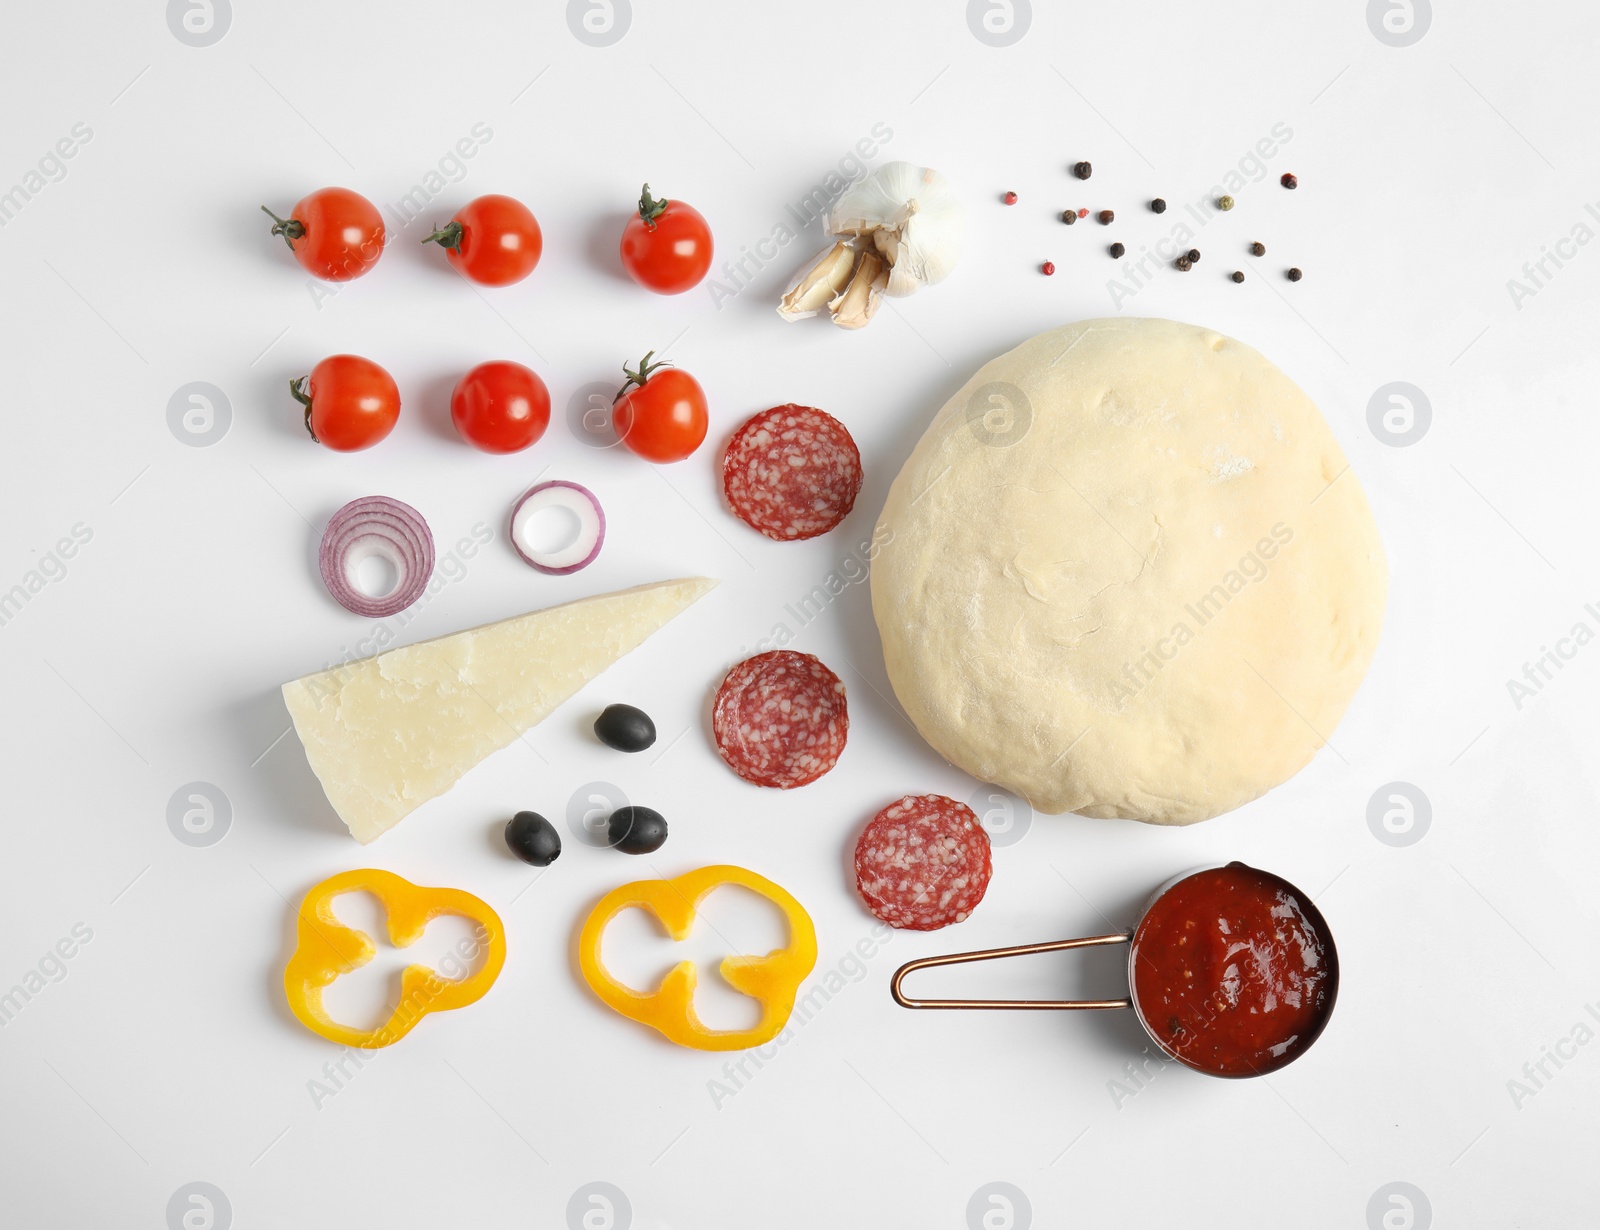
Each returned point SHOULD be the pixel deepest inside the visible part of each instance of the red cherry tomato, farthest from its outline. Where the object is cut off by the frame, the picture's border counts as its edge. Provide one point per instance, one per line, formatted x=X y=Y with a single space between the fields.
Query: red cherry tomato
x=666 y=246
x=334 y=233
x=500 y=407
x=494 y=240
x=661 y=412
x=351 y=403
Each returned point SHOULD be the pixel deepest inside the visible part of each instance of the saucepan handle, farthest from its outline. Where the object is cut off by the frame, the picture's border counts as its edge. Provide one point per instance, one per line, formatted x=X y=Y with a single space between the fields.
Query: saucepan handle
x=991 y=954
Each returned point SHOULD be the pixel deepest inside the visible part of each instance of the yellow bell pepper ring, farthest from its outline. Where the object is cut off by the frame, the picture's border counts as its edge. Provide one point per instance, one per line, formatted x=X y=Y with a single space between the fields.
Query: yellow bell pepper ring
x=325 y=948
x=772 y=980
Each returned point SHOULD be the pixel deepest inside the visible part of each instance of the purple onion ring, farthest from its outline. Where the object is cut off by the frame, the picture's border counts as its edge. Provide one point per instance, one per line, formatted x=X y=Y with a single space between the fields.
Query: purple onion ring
x=576 y=499
x=376 y=525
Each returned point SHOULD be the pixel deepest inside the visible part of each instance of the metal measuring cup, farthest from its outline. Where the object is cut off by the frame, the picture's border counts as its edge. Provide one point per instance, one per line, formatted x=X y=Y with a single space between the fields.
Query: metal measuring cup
x=1313 y=917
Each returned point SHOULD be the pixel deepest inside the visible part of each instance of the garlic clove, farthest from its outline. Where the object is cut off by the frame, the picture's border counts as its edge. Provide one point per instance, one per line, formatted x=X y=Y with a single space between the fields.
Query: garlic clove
x=856 y=304
x=820 y=284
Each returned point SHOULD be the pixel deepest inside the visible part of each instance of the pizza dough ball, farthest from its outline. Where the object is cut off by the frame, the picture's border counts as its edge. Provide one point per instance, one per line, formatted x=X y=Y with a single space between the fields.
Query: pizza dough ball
x=1127 y=572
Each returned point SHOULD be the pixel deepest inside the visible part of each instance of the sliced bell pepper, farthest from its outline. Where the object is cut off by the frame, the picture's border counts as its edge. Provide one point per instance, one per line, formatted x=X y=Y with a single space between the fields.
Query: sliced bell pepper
x=326 y=948
x=771 y=981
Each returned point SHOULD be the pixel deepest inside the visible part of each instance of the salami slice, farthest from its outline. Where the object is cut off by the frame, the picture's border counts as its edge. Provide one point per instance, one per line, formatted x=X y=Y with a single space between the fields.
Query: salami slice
x=923 y=863
x=780 y=719
x=792 y=472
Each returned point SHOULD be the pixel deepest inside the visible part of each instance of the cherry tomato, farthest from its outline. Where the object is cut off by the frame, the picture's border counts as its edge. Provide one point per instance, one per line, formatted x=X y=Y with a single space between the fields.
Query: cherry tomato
x=500 y=407
x=334 y=233
x=494 y=240
x=351 y=403
x=666 y=246
x=660 y=414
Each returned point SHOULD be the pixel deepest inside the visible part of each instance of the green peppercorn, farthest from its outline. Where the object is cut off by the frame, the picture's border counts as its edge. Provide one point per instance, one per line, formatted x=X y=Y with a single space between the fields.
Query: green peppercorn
x=1225 y=203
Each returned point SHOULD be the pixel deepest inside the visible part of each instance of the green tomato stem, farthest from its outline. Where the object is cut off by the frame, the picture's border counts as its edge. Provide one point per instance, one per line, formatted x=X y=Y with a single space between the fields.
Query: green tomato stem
x=640 y=377
x=290 y=228
x=448 y=236
x=649 y=208
x=297 y=389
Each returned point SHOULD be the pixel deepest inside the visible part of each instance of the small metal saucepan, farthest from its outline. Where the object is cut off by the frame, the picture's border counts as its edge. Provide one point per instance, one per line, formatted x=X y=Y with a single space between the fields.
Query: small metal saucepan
x=1232 y=971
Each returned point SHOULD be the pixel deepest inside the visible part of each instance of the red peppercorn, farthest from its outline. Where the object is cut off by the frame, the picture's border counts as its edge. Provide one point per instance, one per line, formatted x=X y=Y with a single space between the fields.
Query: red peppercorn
x=1289 y=181
x=1010 y=198
x=1083 y=213
x=1047 y=268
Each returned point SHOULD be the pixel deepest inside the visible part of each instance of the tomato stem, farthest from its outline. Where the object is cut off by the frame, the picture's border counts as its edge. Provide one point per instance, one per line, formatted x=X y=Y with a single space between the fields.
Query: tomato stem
x=290 y=228
x=448 y=236
x=298 y=389
x=649 y=208
x=646 y=370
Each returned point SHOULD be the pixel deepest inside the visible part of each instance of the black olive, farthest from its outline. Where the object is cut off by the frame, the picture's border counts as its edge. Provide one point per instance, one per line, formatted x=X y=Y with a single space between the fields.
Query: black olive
x=636 y=830
x=625 y=728
x=533 y=839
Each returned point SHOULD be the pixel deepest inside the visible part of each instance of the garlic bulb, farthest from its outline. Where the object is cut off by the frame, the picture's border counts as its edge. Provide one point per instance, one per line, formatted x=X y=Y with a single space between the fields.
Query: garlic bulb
x=905 y=227
x=914 y=220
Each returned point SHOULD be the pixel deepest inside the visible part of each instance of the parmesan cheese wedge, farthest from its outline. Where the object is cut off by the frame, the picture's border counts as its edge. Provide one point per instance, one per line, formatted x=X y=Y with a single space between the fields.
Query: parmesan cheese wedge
x=386 y=734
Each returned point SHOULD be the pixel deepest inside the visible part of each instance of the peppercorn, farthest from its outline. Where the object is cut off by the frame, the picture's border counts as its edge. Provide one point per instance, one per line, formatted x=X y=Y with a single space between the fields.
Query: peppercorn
x=1258 y=249
x=1238 y=275
x=1289 y=181
x=1117 y=250
x=1010 y=198
x=1225 y=203
x=1083 y=170
x=1083 y=213
x=1069 y=216
x=1295 y=275
x=1183 y=263
x=1106 y=217
x=1047 y=268
x=1158 y=206
x=1194 y=255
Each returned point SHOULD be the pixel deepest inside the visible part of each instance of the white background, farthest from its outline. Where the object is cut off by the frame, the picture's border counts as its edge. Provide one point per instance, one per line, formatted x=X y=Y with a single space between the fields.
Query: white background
x=166 y=1055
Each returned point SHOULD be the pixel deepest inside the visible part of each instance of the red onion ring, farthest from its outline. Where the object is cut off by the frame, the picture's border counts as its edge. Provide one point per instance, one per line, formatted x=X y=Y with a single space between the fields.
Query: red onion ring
x=576 y=499
x=376 y=525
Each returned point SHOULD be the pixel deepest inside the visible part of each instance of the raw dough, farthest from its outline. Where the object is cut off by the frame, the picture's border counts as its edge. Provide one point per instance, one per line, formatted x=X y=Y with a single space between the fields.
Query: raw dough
x=1128 y=573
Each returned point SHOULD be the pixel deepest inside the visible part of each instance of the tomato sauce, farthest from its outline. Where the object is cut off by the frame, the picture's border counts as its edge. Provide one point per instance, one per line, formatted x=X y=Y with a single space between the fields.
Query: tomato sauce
x=1234 y=971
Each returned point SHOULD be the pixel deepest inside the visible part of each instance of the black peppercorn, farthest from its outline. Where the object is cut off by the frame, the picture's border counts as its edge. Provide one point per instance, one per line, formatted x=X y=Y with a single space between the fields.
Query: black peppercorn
x=1069 y=216
x=1158 y=206
x=1117 y=250
x=1183 y=263
x=1238 y=275
x=1295 y=275
x=1258 y=249
x=1106 y=217
x=1194 y=255
x=1083 y=170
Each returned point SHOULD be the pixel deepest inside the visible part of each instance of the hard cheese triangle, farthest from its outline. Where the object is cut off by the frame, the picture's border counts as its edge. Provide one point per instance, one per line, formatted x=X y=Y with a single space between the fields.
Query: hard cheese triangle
x=386 y=734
